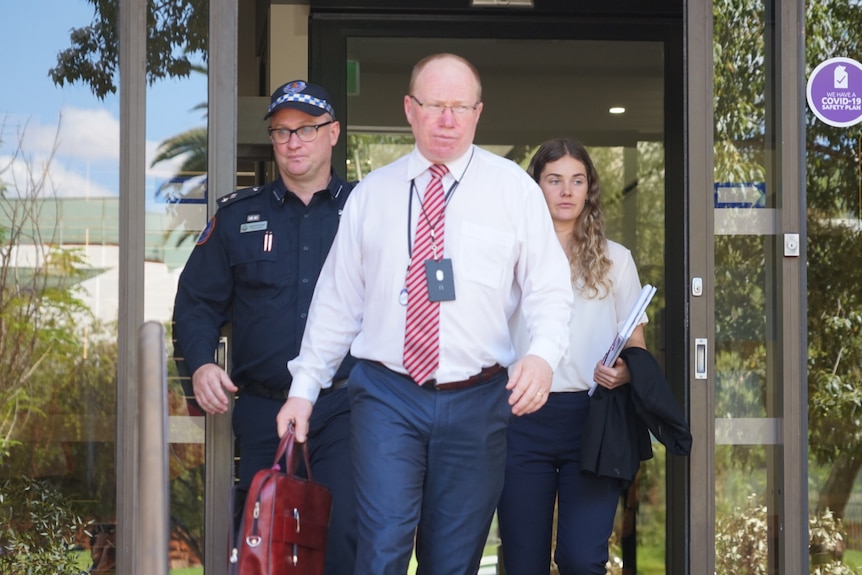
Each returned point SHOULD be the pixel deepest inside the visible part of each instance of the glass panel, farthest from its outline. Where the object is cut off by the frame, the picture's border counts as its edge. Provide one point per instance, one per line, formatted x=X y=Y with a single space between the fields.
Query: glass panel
x=59 y=178
x=59 y=210
x=834 y=209
x=748 y=472
x=176 y=214
x=628 y=152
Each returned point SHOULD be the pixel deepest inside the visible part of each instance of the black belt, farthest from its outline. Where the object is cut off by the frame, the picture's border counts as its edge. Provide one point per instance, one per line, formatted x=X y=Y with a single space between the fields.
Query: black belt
x=481 y=377
x=281 y=394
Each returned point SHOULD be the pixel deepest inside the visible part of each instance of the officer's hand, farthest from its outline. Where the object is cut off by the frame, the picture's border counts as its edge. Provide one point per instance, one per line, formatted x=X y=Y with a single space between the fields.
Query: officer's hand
x=210 y=382
x=530 y=382
x=297 y=410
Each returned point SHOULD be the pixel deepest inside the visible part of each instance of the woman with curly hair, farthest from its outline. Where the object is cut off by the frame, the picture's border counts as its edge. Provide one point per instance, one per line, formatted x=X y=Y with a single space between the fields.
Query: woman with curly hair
x=544 y=448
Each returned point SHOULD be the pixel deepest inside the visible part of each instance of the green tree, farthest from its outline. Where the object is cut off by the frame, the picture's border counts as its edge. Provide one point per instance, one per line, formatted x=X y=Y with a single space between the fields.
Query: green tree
x=191 y=145
x=58 y=379
x=834 y=160
x=745 y=140
x=177 y=33
x=366 y=152
x=39 y=301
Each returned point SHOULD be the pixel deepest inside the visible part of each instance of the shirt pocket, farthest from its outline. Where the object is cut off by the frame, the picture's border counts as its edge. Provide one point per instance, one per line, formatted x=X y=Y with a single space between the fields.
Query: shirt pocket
x=485 y=254
x=255 y=260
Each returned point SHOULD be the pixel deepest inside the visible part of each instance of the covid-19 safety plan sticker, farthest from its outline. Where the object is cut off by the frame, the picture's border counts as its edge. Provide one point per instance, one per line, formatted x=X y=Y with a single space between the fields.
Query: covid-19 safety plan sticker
x=835 y=92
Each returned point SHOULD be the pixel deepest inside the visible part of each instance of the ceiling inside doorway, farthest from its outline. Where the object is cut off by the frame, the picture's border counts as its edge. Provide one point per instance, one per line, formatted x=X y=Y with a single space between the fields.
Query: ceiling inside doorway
x=532 y=89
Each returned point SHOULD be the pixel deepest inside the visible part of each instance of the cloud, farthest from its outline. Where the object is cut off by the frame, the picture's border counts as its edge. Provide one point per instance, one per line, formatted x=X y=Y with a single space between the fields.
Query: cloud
x=40 y=176
x=89 y=134
x=84 y=134
x=81 y=154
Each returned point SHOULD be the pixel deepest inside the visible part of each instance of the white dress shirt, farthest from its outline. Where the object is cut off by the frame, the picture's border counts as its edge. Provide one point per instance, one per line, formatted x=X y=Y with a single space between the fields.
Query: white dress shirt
x=499 y=236
x=595 y=323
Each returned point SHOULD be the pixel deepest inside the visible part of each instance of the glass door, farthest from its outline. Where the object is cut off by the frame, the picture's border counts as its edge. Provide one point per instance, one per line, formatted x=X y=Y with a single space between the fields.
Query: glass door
x=538 y=87
x=747 y=374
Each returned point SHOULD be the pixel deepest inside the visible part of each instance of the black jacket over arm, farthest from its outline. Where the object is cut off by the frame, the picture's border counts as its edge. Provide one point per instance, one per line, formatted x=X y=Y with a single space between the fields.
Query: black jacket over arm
x=617 y=432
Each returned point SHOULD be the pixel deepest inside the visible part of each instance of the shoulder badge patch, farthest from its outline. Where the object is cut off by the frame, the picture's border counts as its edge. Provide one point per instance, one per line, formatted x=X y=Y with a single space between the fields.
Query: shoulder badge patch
x=207 y=232
x=238 y=195
x=227 y=198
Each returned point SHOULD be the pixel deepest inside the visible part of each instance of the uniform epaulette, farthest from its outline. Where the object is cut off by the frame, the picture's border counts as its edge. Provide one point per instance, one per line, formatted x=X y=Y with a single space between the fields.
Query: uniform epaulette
x=239 y=195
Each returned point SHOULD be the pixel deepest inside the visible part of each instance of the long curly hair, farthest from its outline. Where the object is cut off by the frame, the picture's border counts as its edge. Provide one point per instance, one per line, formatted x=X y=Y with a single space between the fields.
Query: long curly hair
x=589 y=262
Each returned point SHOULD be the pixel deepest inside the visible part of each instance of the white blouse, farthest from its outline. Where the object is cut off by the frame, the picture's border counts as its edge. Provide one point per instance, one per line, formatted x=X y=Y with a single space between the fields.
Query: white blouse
x=594 y=323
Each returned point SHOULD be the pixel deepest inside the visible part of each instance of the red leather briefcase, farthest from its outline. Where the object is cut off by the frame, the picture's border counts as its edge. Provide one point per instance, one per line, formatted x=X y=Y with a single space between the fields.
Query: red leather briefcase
x=284 y=521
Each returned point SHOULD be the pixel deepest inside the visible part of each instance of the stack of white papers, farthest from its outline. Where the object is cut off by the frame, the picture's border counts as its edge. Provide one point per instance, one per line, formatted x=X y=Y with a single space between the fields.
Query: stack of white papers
x=629 y=326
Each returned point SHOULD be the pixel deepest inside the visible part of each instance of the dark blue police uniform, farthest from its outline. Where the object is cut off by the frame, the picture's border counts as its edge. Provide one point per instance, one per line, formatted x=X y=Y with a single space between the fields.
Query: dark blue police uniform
x=255 y=265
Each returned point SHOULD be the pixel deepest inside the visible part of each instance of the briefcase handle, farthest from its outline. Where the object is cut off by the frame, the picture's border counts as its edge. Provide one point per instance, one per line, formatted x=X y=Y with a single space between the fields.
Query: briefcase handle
x=288 y=440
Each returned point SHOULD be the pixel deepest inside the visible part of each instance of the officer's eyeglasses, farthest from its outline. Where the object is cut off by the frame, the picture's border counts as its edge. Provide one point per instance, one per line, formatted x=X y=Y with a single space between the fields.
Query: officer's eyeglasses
x=304 y=133
x=436 y=109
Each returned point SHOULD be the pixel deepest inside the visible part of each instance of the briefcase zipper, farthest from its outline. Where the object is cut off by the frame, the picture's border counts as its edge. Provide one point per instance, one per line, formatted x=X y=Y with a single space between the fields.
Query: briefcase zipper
x=295 y=546
x=254 y=539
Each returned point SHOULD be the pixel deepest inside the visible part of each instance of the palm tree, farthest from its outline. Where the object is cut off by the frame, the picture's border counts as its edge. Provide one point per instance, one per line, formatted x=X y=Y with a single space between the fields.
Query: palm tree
x=189 y=183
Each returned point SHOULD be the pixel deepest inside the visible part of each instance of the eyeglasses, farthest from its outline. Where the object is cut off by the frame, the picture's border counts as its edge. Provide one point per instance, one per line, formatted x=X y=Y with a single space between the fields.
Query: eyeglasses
x=436 y=109
x=304 y=133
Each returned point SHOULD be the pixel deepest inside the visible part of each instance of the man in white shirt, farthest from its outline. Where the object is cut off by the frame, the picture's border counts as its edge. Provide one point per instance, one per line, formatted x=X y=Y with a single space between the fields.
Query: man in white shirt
x=431 y=403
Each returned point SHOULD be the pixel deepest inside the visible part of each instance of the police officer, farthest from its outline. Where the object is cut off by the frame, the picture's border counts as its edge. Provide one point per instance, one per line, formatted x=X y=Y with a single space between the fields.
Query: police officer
x=255 y=265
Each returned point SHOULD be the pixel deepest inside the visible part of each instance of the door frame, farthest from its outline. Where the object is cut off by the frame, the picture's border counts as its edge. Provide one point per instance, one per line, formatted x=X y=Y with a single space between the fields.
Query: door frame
x=329 y=32
x=699 y=152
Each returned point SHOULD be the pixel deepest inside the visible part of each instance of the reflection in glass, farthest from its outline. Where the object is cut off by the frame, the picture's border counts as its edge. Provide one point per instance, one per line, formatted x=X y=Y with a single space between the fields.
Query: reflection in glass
x=58 y=345
x=747 y=474
x=59 y=256
x=176 y=214
x=58 y=304
x=834 y=219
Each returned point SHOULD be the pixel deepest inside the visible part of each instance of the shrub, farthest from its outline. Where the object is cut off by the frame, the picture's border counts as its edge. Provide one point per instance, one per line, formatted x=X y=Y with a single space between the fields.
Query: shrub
x=37 y=529
x=742 y=539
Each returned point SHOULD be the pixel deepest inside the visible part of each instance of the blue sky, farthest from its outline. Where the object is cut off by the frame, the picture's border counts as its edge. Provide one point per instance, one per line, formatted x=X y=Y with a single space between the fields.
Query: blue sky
x=87 y=152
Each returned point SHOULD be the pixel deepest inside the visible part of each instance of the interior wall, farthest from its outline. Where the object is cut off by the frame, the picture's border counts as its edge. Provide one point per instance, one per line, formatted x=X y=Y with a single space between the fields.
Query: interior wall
x=288 y=44
x=248 y=51
x=527 y=96
x=286 y=58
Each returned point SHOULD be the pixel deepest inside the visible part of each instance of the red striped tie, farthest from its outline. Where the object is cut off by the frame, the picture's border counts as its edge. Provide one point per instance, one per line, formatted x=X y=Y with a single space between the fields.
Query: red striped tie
x=422 y=336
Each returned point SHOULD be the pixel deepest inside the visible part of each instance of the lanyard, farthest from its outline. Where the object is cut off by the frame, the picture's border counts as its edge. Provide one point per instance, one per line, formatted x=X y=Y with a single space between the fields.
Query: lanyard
x=448 y=197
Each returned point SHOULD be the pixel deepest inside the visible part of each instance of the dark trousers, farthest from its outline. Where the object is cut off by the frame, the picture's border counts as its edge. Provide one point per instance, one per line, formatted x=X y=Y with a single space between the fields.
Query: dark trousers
x=543 y=466
x=427 y=463
x=329 y=454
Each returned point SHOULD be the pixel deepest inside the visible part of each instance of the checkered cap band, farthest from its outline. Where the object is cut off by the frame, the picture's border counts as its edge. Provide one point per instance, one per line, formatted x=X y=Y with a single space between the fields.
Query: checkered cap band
x=305 y=99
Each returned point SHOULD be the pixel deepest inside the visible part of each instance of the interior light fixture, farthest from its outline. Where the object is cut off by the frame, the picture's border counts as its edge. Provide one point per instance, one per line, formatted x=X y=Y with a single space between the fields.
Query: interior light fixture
x=617 y=110
x=501 y=3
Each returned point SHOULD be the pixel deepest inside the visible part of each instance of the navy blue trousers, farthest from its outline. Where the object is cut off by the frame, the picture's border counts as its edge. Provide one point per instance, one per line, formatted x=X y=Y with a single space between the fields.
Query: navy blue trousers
x=543 y=466
x=329 y=454
x=428 y=464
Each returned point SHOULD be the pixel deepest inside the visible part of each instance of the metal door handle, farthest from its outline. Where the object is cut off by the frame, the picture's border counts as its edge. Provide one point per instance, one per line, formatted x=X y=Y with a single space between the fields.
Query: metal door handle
x=221 y=353
x=700 y=357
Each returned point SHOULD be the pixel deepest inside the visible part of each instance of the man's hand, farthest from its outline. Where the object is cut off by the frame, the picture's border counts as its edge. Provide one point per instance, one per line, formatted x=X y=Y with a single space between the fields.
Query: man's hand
x=530 y=383
x=210 y=382
x=297 y=410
